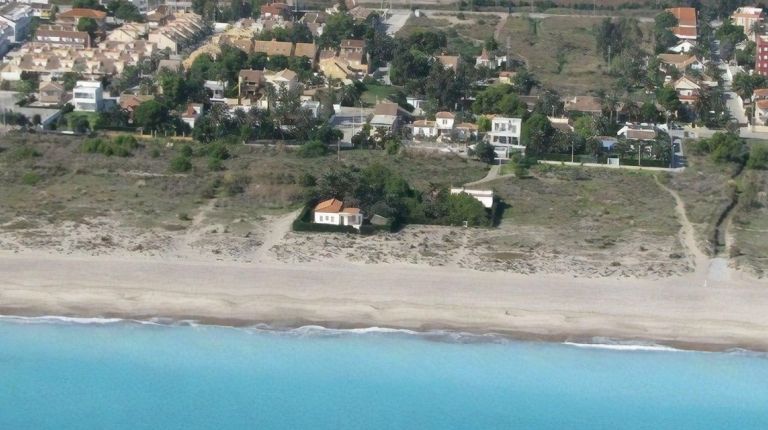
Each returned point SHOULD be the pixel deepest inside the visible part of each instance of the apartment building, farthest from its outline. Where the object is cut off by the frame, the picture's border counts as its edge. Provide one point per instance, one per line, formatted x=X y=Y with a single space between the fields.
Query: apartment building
x=88 y=96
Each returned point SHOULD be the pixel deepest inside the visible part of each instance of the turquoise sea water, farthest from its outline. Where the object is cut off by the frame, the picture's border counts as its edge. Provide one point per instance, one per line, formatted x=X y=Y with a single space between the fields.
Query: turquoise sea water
x=134 y=376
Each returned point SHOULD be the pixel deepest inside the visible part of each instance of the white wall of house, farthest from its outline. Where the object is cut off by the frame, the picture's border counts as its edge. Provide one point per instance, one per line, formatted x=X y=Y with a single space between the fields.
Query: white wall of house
x=505 y=130
x=87 y=96
x=340 y=218
x=425 y=131
x=444 y=123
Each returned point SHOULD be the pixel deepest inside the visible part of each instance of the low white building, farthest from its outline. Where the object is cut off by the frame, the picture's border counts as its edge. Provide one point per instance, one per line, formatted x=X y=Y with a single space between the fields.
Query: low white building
x=333 y=212
x=483 y=196
x=215 y=89
x=424 y=128
x=88 y=96
x=444 y=121
x=192 y=114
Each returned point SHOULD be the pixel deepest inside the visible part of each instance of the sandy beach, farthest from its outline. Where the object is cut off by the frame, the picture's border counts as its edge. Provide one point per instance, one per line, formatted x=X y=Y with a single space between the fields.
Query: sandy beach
x=692 y=311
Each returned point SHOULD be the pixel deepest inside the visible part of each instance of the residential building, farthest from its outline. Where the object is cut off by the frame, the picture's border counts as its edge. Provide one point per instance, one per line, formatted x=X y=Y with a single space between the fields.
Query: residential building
x=642 y=132
x=686 y=22
x=506 y=77
x=352 y=45
x=484 y=60
x=748 y=17
x=416 y=102
x=688 y=89
x=761 y=55
x=313 y=106
x=424 y=129
x=129 y=103
x=483 y=196
x=52 y=94
x=444 y=122
x=683 y=47
x=62 y=35
x=73 y=16
x=250 y=84
x=679 y=61
x=333 y=212
x=88 y=96
x=465 y=131
x=182 y=30
x=170 y=65
x=282 y=79
x=449 y=61
x=505 y=135
x=18 y=17
x=215 y=90
x=276 y=11
x=273 y=47
x=6 y=37
x=192 y=114
x=388 y=116
x=761 y=112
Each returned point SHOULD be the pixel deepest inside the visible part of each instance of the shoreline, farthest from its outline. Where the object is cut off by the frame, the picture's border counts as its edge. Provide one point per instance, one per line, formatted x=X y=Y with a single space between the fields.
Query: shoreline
x=679 y=312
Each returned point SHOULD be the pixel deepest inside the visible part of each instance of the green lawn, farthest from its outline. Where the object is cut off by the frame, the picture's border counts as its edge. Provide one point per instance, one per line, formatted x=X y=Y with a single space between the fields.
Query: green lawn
x=376 y=93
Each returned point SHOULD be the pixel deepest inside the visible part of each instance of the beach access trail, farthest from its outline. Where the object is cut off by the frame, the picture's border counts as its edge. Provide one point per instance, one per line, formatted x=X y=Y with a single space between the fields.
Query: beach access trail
x=676 y=311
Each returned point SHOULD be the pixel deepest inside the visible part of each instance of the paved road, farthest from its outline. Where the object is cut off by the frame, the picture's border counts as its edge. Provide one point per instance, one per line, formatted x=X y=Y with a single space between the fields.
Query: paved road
x=736 y=107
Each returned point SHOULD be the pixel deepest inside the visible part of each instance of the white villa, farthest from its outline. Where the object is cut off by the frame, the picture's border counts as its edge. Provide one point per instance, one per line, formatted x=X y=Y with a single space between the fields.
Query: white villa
x=87 y=96
x=505 y=135
x=333 y=212
x=483 y=196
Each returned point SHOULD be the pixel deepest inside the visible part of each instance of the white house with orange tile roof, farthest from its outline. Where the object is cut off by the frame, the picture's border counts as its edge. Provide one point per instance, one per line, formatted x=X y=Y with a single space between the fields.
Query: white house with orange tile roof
x=686 y=22
x=333 y=212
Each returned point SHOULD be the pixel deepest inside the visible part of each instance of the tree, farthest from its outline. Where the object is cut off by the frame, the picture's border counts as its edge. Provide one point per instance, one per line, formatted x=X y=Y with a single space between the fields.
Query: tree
x=88 y=25
x=667 y=98
x=524 y=81
x=649 y=112
x=124 y=10
x=484 y=152
x=537 y=134
x=87 y=4
x=499 y=99
x=150 y=115
x=758 y=157
x=483 y=124
x=663 y=36
x=745 y=84
x=584 y=126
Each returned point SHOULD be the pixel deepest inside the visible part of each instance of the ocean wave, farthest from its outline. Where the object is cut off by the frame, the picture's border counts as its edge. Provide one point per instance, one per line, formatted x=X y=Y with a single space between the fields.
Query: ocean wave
x=622 y=345
x=53 y=319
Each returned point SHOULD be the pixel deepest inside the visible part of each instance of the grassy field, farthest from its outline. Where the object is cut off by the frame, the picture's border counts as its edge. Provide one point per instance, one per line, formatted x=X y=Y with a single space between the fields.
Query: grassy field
x=609 y=217
x=375 y=93
x=539 y=41
x=706 y=189
x=48 y=179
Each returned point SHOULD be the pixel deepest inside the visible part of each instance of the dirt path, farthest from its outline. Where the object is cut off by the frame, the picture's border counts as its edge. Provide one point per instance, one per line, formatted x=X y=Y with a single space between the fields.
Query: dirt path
x=278 y=228
x=500 y=28
x=493 y=173
x=687 y=233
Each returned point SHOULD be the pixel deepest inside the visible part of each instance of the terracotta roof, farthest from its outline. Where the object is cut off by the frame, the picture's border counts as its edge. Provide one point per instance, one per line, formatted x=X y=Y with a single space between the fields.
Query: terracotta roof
x=273 y=47
x=305 y=50
x=760 y=93
x=351 y=210
x=686 y=16
x=352 y=44
x=467 y=126
x=51 y=86
x=423 y=123
x=762 y=104
x=449 y=61
x=386 y=109
x=641 y=134
x=445 y=115
x=685 y=31
x=252 y=75
x=678 y=60
x=329 y=206
x=83 y=13
x=360 y=13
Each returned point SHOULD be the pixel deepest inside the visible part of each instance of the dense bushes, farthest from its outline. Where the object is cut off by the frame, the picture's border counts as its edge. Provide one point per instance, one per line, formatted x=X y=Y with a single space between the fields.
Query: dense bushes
x=723 y=148
x=120 y=146
x=312 y=149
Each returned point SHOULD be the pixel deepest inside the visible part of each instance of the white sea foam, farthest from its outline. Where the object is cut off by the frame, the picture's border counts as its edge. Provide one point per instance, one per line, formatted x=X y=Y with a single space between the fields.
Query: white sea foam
x=624 y=346
x=60 y=319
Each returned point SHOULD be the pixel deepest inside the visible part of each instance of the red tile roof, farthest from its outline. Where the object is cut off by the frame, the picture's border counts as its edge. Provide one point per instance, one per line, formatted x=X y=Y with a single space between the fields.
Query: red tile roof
x=329 y=206
x=83 y=13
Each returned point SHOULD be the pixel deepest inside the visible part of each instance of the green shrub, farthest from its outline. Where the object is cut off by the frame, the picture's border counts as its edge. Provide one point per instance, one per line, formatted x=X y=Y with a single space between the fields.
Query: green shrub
x=24 y=153
x=235 y=184
x=218 y=151
x=758 y=157
x=31 y=178
x=181 y=164
x=121 y=146
x=187 y=151
x=307 y=180
x=154 y=153
x=215 y=165
x=312 y=149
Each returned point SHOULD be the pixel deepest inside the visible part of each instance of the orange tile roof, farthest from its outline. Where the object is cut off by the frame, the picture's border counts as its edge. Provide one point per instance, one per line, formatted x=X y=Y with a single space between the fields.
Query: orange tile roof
x=684 y=31
x=686 y=16
x=329 y=206
x=83 y=13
